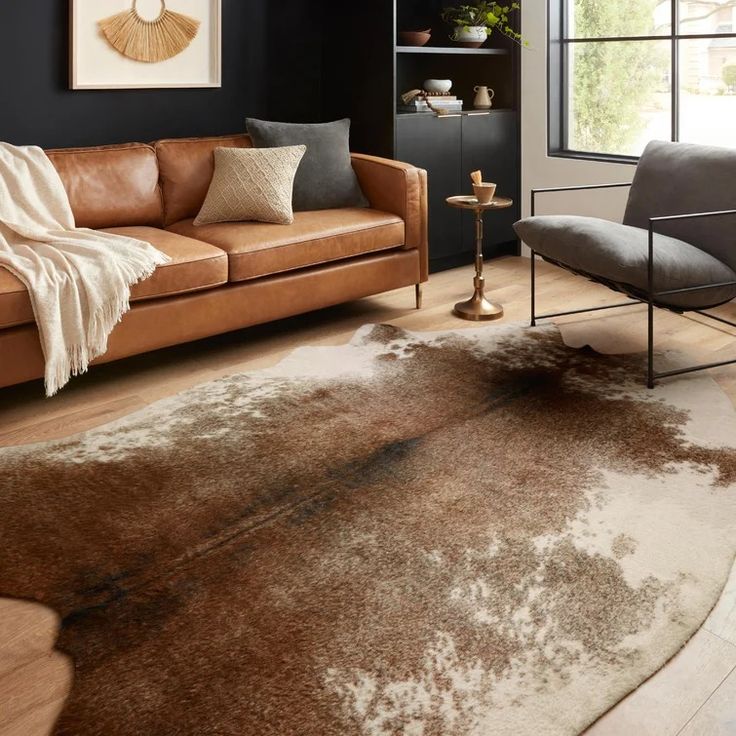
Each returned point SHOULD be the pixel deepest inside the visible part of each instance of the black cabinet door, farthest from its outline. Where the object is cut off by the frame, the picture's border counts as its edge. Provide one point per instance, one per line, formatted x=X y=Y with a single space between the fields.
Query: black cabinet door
x=435 y=144
x=490 y=144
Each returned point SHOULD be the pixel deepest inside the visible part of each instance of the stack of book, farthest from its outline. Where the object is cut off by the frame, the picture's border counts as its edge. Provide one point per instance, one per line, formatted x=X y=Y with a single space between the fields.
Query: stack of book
x=418 y=104
x=443 y=104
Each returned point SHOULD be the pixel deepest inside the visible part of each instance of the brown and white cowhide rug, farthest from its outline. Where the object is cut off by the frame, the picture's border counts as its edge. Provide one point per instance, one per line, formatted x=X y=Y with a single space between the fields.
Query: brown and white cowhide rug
x=449 y=534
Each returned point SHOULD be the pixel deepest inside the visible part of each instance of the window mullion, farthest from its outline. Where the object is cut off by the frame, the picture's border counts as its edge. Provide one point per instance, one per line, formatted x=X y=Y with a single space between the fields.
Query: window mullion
x=675 y=73
x=565 y=96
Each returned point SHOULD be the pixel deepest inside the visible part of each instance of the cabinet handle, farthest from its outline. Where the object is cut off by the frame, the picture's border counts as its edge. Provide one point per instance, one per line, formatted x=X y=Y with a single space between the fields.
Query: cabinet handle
x=453 y=115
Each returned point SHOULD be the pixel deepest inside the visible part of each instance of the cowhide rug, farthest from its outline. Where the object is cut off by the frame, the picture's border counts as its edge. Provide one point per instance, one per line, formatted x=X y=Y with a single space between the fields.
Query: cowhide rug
x=449 y=534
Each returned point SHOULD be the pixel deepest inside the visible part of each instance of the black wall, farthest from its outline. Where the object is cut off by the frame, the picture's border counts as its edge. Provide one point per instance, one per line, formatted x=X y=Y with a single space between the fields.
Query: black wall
x=271 y=54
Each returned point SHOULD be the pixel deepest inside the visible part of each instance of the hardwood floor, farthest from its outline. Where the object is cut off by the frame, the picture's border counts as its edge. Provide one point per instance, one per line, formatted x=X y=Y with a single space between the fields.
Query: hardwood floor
x=693 y=695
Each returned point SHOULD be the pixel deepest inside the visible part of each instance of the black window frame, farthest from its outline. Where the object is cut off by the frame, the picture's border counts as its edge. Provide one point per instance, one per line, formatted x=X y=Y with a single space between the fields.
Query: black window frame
x=558 y=45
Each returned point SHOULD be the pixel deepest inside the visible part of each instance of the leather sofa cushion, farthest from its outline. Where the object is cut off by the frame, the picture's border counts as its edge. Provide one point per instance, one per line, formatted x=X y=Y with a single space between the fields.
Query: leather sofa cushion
x=194 y=266
x=111 y=186
x=620 y=253
x=186 y=166
x=259 y=249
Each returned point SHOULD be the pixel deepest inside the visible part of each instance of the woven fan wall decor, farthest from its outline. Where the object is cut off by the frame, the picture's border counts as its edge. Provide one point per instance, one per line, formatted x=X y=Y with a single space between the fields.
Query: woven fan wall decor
x=149 y=40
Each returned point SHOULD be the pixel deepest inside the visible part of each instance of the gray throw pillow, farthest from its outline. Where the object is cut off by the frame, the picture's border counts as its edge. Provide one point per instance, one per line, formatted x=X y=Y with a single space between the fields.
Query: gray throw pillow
x=325 y=179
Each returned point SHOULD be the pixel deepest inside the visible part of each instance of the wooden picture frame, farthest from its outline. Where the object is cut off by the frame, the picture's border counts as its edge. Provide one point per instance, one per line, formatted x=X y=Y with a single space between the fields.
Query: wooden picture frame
x=95 y=64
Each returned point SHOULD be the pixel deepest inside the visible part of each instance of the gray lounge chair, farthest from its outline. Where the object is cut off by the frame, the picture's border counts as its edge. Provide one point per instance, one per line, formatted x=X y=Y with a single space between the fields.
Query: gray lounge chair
x=676 y=248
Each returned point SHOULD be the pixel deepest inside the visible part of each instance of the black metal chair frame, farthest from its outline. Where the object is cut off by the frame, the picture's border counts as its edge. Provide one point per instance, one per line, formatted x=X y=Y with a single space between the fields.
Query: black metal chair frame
x=648 y=297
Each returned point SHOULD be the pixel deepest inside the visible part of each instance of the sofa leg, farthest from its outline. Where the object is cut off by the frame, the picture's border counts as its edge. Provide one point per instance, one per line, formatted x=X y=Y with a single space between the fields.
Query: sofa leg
x=418 y=295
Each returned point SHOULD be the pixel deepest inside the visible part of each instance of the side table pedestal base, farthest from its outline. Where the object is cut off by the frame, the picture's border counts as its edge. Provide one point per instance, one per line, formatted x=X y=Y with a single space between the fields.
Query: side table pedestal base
x=478 y=309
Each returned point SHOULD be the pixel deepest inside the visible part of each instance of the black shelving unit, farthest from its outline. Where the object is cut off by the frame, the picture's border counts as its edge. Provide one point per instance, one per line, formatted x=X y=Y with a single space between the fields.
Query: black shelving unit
x=367 y=72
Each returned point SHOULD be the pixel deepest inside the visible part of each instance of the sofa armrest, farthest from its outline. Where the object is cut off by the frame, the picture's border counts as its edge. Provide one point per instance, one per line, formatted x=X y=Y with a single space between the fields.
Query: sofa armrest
x=401 y=189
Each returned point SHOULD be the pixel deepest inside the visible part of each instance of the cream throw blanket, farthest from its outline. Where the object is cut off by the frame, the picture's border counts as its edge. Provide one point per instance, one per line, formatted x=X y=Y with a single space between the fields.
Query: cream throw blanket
x=79 y=280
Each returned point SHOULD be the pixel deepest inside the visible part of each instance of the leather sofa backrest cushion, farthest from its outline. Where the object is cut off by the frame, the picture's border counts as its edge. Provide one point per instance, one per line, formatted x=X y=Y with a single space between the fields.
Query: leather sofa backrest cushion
x=681 y=178
x=186 y=166
x=111 y=186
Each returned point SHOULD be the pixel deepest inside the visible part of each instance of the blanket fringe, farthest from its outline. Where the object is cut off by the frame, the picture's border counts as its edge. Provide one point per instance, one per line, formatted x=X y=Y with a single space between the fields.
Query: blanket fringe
x=77 y=358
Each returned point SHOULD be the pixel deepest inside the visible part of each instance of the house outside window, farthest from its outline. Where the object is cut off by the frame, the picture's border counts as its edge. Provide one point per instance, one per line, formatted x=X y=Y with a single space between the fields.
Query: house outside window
x=624 y=72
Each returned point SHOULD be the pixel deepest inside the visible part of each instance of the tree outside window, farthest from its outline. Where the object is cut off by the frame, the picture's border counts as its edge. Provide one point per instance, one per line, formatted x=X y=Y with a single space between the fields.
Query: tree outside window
x=624 y=85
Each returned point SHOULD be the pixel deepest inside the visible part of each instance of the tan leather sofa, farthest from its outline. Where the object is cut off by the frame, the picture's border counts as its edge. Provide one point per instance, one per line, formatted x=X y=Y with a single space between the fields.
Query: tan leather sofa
x=226 y=276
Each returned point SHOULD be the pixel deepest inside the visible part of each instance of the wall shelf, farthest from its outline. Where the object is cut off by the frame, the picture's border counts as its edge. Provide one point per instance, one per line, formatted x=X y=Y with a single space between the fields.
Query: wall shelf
x=450 y=50
x=461 y=112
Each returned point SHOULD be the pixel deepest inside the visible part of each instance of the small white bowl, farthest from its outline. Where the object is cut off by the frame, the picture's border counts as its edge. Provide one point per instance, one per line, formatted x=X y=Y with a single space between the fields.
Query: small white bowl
x=438 y=86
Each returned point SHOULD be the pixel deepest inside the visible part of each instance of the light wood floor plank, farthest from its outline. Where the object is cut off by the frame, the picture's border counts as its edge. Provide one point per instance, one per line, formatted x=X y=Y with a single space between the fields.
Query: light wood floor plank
x=717 y=717
x=39 y=684
x=38 y=721
x=25 y=628
x=58 y=425
x=722 y=621
x=665 y=703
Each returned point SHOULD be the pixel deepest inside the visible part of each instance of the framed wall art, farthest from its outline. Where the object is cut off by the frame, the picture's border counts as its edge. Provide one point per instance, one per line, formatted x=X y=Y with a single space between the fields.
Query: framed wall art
x=136 y=44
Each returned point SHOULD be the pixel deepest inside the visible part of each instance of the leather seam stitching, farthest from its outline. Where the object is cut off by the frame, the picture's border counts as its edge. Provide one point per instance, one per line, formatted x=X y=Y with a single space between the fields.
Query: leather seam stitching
x=320 y=263
x=162 y=294
x=323 y=237
x=79 y=151
x=16 y=291
x=196 y=139
x=164 y=266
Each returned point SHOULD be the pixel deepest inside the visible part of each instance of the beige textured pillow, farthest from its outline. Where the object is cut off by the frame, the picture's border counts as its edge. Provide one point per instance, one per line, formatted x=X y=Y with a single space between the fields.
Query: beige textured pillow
x=252 y=184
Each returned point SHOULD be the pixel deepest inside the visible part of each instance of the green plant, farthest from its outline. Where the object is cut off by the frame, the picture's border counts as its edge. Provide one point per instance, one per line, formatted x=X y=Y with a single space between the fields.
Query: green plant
x=492 y=16
x=729 y=76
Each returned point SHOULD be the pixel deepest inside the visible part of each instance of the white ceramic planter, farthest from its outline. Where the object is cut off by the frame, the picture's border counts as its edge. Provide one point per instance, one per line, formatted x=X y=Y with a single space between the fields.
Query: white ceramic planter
x=437 y=86
x=470 y=34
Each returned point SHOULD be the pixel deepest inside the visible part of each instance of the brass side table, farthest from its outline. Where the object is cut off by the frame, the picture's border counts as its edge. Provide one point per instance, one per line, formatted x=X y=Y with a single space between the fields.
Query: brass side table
x=478 y=308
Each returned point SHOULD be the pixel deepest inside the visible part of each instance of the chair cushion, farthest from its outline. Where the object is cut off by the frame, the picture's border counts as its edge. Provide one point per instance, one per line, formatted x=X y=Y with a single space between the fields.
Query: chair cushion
x=619 y=253
x=682 y=178
x=194 y=266
x=260 y=249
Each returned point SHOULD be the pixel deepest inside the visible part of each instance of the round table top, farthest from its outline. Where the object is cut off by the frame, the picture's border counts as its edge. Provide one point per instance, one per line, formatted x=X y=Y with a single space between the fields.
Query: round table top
x=469 y=202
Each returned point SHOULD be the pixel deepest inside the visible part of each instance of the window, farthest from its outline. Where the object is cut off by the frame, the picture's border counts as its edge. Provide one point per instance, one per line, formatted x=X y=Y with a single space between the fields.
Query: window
x=624 y=72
